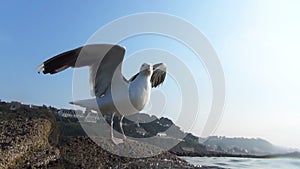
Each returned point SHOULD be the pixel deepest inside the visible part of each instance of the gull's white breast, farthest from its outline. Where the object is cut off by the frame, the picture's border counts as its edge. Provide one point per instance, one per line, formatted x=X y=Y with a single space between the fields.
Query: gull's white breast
x=139 y=92
x=122 y=101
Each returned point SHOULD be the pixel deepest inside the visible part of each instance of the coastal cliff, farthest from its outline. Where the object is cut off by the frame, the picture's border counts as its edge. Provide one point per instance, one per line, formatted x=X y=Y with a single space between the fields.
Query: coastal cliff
x=32 y=137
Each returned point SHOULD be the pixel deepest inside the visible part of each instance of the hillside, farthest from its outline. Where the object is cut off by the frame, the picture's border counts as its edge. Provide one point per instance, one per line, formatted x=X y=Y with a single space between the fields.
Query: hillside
x=254 y=146
x=46 y=137
x=36 y=137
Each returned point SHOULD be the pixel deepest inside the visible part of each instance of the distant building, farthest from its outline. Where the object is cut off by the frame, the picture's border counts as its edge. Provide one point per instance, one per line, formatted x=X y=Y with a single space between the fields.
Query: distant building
x=91 y=117
x=66 y=113
x=161 y=134
x=141 y=131
x=34 y=106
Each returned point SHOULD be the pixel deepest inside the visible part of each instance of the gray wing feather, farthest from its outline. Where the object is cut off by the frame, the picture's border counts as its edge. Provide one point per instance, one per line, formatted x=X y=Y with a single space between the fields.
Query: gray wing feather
x=159 y=74
x=110 y=64
x=103 y=60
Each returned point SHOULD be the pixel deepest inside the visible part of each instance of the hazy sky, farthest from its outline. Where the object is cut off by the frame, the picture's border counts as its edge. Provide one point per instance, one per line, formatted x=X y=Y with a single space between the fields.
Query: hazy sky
x=257 y=43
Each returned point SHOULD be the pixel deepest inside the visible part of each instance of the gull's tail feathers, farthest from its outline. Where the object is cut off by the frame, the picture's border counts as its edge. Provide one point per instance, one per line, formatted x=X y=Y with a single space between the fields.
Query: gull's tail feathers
x=88 y=103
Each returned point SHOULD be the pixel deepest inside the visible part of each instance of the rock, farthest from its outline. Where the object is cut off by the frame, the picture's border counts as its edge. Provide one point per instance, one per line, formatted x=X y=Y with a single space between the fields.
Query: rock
x=32 y=137
x=82 y=152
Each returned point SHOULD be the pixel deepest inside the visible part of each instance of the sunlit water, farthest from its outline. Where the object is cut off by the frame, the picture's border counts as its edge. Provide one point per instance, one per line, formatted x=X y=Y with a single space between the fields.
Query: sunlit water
x=246 y=163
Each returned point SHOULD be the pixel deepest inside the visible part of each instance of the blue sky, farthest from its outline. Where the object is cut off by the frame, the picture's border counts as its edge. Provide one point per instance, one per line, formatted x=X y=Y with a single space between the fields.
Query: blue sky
x=257 y=43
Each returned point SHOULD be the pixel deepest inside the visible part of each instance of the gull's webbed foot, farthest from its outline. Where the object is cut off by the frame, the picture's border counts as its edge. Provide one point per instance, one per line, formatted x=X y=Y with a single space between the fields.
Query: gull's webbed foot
x=117 y=141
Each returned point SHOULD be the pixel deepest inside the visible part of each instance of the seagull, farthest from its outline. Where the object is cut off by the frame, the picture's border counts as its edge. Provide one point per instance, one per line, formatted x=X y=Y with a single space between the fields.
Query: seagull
x=112 y=93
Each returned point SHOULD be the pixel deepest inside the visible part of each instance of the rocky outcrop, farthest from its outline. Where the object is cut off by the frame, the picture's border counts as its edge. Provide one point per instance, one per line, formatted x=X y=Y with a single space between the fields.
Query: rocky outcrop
x=32 y=137
x=24 y=137
x=82 y=152
x=25 y=142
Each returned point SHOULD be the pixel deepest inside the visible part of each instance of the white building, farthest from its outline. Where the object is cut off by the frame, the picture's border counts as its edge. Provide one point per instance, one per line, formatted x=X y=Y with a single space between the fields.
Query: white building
x=161 y=134
x=91 y=117
x=66 y=113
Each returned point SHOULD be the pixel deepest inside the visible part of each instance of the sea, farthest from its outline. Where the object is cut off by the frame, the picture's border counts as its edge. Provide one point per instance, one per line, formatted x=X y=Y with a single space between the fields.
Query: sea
x=246 y=163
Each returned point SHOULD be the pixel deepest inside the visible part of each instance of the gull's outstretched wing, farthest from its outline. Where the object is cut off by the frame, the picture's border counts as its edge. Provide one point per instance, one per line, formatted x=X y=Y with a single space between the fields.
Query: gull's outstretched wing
x=103 y=59
x=158 y=76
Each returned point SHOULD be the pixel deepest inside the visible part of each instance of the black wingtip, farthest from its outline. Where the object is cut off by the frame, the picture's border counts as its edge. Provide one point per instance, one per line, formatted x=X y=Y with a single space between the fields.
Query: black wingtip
x=40 y=68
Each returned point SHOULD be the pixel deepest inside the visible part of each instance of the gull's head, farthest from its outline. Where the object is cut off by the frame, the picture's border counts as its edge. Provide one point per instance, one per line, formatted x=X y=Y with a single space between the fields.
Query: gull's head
x=146 y=69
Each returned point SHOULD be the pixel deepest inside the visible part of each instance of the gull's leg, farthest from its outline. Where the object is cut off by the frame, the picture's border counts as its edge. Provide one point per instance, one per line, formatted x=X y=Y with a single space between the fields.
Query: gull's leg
x=112 y=126
x=121 y=126
x=114 y=139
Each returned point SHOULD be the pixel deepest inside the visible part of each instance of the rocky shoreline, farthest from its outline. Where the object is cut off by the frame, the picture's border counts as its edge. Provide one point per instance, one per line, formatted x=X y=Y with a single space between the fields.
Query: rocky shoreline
x=89 y=155
x=31 y=137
